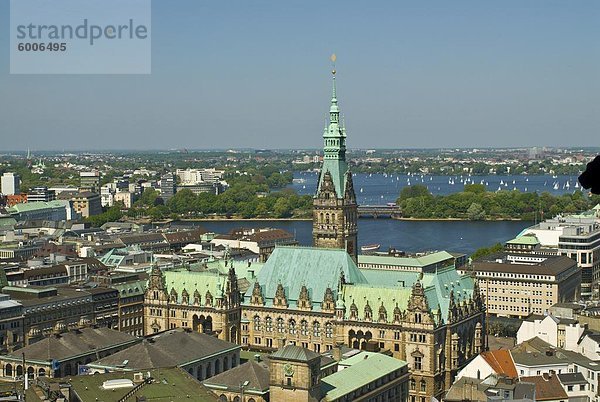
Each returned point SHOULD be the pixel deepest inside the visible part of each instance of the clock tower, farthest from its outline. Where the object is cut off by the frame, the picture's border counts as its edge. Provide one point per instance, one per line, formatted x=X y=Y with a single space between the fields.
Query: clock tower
x=335 y=210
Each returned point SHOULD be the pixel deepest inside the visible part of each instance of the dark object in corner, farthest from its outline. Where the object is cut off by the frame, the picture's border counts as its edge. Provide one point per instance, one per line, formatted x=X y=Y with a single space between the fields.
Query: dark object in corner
x=591 y=177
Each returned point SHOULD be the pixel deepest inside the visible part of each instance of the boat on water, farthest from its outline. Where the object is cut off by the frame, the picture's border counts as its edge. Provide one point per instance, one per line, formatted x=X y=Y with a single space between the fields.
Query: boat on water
x=370 y=247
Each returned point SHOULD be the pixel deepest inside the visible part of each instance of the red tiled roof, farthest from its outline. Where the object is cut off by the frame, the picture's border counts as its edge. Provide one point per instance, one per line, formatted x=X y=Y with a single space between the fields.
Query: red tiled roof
x=547 y=387
x=501 y=362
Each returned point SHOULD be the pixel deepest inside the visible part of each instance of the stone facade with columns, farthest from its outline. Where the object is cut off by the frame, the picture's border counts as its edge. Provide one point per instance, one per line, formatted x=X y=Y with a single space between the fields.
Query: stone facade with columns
x=318 y=298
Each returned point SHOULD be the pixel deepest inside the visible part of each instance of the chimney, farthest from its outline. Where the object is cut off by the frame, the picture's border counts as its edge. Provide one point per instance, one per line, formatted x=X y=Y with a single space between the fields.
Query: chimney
x=337 y=352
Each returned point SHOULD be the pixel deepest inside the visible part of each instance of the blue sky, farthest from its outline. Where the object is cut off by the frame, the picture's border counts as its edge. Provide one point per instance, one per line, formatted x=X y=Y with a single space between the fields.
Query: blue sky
x=232 y=74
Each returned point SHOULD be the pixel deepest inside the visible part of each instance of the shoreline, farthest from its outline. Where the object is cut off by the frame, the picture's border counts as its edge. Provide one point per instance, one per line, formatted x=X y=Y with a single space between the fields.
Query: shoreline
x=462 y=219
x=224 y=219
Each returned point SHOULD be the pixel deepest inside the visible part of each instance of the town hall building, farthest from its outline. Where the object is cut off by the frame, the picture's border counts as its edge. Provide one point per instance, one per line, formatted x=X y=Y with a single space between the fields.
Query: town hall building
x=318 y=298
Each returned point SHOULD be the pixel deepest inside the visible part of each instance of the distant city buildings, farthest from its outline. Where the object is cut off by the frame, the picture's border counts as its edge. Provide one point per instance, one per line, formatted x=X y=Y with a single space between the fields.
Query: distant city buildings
x=87 y=203
x=195 y=176
x=201 y=180
x=57 y=210
x=516 y=285
x=259 y=241
x=11 y=183
x=89 y=181
x=41 y=194
x=577 y=237
x=168 y=186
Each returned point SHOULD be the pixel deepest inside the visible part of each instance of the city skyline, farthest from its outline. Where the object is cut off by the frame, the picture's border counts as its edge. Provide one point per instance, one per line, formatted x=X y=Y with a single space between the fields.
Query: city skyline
x=239 y=76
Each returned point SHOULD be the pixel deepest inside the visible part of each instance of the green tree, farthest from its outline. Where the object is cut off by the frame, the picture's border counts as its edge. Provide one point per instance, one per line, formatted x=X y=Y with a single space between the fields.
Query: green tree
x=474 y=188
x=483 y=251
x=417 y=190
x=148 y=198
x=475 y=212
x=282 y=208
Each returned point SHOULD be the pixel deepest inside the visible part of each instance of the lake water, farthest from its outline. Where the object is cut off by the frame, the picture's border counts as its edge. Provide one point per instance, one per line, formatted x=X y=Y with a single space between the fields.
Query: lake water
x=413 y=236
x=417 y=236
x=380 y=188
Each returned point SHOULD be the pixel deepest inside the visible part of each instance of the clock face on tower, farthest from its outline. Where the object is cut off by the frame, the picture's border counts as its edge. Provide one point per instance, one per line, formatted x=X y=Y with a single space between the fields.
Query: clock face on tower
x=288 y=370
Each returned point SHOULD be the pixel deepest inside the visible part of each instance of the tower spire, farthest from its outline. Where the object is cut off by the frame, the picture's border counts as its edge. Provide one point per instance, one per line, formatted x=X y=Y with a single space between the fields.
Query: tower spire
x=333 y=96
x=335 y=193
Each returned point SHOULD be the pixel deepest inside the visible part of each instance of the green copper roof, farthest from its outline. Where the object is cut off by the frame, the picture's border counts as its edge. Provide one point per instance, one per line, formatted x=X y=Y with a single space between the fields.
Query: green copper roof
x=241 y=268
x=134 y=288
x=341 y=383
x=390 y=278
x=35 y=206
x=423 y=261
x=392 y=287
x=192 y=281
x=376 y=295
x=529 y=239
x=316 y=268
x=438 y=286
x=334 y=148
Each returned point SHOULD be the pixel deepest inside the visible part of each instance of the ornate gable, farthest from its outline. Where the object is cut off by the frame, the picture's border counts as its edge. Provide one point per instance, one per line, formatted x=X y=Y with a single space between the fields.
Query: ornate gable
x=208 y=299
x=257 y=298
x=368 y=312
x=280 y=300
x=418 y=307
x=173 y=296
x=304 y=301
x=185 y=297
x=382 y=313
x=328 y=300
x=327 y=189
x=353 y=311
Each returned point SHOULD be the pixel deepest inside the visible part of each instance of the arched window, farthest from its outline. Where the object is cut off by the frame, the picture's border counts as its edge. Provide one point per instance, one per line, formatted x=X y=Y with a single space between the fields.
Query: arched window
x=292 y=326
x=280 y=326
x=8 y=370
x=329 y=330
x=222 y=398
x=256 y=323
x=413 y=384
x=269 y=324
x=316 y=328
x=327 y=219
x=423 y=386
x=303 y=327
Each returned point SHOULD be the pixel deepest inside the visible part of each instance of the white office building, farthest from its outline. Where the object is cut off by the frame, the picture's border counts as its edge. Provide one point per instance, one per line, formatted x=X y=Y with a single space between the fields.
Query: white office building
x=11 y=184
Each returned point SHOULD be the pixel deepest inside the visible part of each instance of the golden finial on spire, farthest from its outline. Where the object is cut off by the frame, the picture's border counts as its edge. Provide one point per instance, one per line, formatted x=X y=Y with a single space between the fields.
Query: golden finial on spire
x=333 y=59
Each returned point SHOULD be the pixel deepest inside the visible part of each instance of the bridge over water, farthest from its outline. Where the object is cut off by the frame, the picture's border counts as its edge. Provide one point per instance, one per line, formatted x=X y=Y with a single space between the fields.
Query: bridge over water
x=379 y=211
